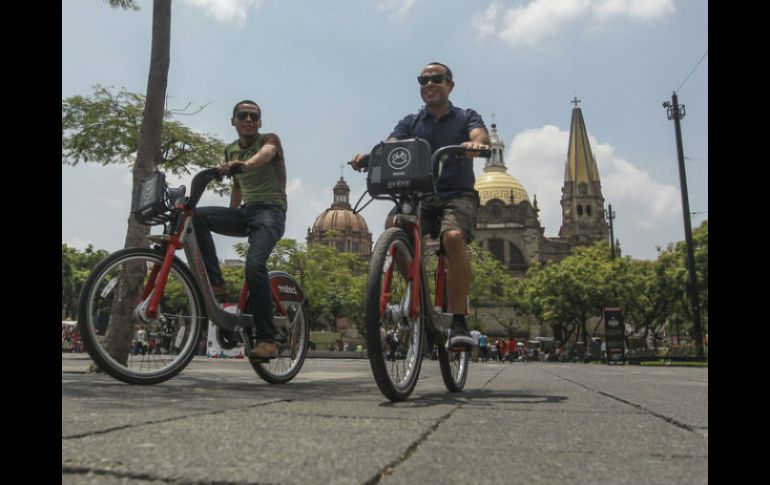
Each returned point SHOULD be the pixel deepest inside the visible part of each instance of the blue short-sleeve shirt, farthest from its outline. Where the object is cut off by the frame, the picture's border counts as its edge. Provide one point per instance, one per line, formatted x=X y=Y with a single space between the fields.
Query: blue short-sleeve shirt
x=453 y=128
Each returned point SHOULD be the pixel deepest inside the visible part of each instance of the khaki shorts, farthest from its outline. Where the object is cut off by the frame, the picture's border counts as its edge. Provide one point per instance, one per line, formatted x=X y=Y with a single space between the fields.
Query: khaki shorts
x=438 y=215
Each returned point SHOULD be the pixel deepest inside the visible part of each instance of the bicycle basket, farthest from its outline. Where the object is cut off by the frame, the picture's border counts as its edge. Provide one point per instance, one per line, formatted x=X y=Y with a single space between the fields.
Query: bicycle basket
x=400 y=167
x=153 y=204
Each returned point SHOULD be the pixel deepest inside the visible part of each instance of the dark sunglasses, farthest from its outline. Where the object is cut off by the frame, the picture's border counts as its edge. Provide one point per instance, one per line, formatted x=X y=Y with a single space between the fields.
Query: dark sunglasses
x=434 y=78
x=242 y=115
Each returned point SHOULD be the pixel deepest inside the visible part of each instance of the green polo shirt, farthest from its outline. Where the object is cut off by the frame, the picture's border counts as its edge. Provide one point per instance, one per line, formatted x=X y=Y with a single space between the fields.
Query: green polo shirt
x=266 y=184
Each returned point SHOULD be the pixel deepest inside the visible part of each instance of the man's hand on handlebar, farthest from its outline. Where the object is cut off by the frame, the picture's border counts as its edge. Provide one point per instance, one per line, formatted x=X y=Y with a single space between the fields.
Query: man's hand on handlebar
x=359 y=162
x=474 y=149
x=231 y=168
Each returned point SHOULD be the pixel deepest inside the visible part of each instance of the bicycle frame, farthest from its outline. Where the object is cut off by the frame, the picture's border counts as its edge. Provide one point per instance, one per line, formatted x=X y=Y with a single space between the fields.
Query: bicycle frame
x=184 y=238
x=411 y=224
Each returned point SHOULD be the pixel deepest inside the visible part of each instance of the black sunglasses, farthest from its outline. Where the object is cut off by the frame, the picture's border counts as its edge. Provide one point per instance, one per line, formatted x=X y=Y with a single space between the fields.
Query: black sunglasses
x=434 y=78
x=241 y=115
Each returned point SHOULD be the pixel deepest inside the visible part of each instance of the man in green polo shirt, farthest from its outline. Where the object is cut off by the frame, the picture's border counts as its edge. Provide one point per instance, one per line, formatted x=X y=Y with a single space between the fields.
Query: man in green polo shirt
x=257 y=211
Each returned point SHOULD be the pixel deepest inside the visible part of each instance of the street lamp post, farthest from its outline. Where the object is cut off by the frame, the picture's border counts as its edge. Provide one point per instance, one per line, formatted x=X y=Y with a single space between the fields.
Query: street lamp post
x=610 y=215
x=676 y=112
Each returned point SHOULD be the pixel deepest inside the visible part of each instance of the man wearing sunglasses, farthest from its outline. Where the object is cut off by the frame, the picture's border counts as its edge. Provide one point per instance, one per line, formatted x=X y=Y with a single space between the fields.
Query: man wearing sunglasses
x=451 y=213
x=257 y=211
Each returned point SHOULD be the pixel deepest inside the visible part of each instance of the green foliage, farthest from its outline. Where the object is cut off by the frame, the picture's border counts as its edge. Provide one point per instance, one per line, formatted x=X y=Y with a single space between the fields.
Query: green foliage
x=493 y=285
x=76 y=266
x=334 y=284
x=105 y=127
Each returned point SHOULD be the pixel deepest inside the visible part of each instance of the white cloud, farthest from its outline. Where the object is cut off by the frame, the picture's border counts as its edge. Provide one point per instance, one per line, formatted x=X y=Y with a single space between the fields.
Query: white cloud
x=638 y=9
x=536 y=157
x=294 y=187
x=398 y=8
x=226 y=10
x=528 y=24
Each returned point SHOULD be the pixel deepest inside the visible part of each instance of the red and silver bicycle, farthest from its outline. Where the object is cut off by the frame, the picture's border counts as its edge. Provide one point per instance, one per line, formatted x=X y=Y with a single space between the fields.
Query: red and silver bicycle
x=401 y=324
x=153 y=291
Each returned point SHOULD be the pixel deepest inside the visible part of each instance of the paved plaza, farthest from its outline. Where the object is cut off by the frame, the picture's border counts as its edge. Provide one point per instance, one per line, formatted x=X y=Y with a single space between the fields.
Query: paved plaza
x=521 y=423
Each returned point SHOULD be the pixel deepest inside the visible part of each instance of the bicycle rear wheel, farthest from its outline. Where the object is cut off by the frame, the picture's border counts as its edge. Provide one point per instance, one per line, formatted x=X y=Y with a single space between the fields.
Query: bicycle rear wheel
x=114 y=334
x=293 y=326
x=394 y=339
x=454 y=368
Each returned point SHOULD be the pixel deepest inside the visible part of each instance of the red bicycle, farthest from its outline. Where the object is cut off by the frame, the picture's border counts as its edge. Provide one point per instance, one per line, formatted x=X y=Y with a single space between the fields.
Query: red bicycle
x=138 y=293
x=400 y=321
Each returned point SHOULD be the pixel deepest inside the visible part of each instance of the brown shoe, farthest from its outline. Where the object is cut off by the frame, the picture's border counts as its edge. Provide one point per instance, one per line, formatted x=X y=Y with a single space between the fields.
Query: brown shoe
x=264 y=350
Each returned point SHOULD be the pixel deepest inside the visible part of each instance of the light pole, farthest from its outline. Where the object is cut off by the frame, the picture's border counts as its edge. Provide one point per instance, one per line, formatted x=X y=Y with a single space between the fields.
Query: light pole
x=610 y=215
x=676 y=112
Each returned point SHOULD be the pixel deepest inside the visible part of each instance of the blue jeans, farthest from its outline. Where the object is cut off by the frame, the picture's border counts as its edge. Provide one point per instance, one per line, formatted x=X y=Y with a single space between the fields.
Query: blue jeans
x=264 y=226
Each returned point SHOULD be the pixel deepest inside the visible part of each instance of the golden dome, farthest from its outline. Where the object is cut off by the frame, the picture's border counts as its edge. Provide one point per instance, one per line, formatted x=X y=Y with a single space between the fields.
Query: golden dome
x=495 y=183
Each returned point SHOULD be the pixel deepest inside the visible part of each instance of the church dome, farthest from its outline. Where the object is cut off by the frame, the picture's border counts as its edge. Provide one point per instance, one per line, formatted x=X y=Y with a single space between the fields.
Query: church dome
x=495 y=182
x=352 y=233
x=342 y=220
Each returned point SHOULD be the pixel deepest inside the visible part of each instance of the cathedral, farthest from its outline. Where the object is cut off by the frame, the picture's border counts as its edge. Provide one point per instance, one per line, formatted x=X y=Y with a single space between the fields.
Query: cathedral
x=339 y=227
x=508 y=225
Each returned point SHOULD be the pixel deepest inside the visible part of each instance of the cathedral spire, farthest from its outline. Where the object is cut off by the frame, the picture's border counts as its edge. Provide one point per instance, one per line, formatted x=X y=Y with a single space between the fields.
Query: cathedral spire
x=341 y=195
x=495 y=162
x=582 y=201
x=580 y=166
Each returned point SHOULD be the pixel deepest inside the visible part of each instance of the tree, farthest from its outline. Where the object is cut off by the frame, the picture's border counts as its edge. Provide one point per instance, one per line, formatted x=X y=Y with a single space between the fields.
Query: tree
x=149 y=152
x=76 y=266
x=493 y=286
x=105 y=128
x=674 y=260
x=570 y=292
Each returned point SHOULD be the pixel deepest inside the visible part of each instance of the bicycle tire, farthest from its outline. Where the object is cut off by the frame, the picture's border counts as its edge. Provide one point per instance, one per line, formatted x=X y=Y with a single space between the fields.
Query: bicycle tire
x=454 y=365
x=395 y=373
x=454 y=368
x=179 y=323
x=291 y=354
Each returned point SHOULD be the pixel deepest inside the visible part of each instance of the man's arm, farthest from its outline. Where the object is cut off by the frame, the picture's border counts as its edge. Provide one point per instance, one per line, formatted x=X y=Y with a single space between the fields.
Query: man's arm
x=236 y=196
x=263 y=156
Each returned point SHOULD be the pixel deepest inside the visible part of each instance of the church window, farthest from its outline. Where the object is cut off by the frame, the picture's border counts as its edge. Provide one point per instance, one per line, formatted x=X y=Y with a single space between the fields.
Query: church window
x=580 y=210
x=497 y=248
x=517 y=259
x=588 y=210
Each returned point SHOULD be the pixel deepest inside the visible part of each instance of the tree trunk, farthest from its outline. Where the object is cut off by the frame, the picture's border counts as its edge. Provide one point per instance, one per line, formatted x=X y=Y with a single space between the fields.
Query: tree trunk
x=148 y=155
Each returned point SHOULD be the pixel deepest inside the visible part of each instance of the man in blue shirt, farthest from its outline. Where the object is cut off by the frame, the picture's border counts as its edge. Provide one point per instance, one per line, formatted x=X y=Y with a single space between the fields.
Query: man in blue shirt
x=451 y=213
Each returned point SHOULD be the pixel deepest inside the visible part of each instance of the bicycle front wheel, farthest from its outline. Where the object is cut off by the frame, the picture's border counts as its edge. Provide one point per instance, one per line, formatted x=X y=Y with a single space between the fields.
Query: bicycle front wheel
x=394 y=339
x=292 y=326
x=126 y=345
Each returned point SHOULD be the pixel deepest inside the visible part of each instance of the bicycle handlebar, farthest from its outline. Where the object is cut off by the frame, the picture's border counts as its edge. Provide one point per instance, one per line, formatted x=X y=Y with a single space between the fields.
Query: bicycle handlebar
x=202 y=179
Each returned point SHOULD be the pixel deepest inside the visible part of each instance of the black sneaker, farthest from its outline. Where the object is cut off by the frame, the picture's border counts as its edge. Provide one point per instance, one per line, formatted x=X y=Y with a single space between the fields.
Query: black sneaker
x=461 y=339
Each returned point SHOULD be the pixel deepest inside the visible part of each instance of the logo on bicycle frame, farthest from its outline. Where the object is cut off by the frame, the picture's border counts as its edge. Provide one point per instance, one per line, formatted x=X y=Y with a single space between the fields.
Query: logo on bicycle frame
x=399 y=158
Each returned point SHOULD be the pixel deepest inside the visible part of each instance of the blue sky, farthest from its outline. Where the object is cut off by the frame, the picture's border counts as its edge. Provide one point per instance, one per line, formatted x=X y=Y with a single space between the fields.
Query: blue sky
x=333 y=78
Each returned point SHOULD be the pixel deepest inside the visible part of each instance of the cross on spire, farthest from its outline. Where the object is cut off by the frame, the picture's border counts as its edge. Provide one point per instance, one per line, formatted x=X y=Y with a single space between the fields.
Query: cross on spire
x=575 y=101
x=342 y=167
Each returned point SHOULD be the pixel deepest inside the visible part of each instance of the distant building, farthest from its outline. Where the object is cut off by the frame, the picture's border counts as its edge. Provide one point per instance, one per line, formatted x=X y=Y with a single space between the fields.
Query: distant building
x=339 y=227
x=508 y=225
